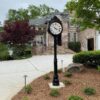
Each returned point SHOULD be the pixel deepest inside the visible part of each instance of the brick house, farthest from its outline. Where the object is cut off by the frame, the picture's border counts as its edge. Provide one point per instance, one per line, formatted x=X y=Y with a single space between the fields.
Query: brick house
x=41 y=25
x=89 y=38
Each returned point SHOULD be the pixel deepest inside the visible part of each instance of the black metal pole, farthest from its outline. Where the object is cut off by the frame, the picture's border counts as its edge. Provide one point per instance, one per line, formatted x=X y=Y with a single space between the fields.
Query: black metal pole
x=55 y=78
x=25 y=76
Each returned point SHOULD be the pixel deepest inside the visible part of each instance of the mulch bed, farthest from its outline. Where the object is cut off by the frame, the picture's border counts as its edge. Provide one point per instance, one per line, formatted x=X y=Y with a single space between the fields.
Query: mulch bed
x=87 y=78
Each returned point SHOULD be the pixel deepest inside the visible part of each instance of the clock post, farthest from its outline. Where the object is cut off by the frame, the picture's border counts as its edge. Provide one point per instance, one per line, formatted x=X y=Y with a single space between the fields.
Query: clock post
x=55 y=78
x=55 y=29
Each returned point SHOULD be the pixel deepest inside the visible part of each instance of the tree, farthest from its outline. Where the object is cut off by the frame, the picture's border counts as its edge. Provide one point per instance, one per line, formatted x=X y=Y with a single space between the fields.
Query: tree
x=12 y=15
x=41 y=10
x=86 y=12
x=18 y=32
x=23 y=14
x=45 y=10
x=31 y=12
x=34 y=11
x=20 y=14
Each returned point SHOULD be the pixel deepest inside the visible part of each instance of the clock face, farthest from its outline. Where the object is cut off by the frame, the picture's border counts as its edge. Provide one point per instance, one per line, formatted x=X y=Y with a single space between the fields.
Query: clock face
x=56 y=28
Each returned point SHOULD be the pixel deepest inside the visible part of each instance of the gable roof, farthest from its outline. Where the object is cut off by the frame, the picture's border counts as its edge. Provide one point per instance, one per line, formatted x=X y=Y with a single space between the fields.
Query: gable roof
x=41 y=21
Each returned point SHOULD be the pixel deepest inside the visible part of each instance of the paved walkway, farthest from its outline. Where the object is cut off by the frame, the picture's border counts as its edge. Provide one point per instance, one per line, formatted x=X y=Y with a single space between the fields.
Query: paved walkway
x=12 y=72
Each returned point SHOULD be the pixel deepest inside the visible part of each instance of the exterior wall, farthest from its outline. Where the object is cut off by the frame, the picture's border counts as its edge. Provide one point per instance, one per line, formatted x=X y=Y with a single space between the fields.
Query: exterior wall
x=73 y=34
x=84 y=36
x=39 y=40
x=65 y=34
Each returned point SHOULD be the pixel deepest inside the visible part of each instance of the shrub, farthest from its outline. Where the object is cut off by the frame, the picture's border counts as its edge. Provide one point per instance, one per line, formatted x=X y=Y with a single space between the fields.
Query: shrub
x=46 y=77
x=91 y=58
x=54 y=93
x=4 y=54
x=66 y=82
x=75 y=46
x=75 y=98
x=21 y=51
x=28 y=89
x=67 y=74
x=89 y=91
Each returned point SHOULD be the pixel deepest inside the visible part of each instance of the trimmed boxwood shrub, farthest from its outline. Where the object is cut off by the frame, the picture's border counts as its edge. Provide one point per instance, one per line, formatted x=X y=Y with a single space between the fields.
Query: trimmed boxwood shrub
x=91 y=58
x=75 y=46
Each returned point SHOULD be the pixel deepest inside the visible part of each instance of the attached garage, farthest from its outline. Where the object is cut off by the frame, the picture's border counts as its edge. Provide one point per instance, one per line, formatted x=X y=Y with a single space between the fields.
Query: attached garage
x=88 y=39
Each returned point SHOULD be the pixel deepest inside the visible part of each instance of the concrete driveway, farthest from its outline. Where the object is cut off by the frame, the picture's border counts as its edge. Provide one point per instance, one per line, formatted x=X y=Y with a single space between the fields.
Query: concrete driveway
x=12 y=72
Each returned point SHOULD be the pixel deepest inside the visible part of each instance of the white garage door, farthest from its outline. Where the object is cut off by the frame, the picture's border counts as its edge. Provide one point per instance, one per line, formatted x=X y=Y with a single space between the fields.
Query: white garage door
x=98 y=42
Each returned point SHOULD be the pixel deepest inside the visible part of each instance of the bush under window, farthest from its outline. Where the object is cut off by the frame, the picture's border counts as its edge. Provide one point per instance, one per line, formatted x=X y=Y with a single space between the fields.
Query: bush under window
x=75 y=46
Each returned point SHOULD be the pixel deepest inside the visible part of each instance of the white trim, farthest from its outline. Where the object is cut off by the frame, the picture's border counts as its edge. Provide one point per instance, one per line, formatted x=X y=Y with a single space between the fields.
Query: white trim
x=97 y=40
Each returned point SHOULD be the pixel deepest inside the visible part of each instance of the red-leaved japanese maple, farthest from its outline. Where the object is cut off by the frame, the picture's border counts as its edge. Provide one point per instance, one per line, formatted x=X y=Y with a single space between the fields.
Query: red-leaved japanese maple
x=18 y=32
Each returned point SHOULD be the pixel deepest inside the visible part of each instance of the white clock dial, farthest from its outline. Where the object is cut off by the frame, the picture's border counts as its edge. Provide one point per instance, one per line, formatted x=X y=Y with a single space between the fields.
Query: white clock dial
x=55 y=28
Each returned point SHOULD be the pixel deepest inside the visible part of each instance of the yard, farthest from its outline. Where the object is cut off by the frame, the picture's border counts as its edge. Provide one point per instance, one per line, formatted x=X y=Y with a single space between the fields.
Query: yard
x=76 y=84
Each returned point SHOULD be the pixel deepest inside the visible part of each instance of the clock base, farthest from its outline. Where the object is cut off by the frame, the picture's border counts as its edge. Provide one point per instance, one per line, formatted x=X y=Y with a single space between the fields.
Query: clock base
x=61 y=85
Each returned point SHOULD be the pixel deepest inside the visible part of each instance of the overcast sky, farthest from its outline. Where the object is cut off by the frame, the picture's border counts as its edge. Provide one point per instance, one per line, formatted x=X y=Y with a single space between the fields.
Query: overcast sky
x=5 y=5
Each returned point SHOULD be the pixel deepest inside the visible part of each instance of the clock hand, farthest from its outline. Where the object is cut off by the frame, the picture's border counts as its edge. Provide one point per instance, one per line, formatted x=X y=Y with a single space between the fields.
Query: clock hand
x=55 y=28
